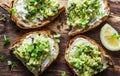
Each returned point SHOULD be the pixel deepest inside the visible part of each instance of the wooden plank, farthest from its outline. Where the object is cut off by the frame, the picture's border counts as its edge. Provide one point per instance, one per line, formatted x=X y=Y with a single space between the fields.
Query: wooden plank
x=10 y=29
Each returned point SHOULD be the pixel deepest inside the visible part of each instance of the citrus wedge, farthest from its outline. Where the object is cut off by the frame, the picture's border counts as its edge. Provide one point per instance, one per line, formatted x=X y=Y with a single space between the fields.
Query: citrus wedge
x=108 y=39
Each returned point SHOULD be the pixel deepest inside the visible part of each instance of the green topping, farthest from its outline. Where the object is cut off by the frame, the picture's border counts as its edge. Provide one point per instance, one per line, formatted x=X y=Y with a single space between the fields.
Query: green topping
x=63 y=74
x=4 y=18
x=2 y=58
x=86 y=59
x=57 y=36
x=44 y=8
x=33 y=55
x=5 y=40
x=116 y=35
x=11 y=64
x=82 y=12
x=13 y=11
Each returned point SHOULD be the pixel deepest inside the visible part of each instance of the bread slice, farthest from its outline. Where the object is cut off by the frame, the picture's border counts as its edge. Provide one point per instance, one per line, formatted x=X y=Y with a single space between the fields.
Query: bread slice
x=79 y=30
x=26 y=23
x=105 y=59
x=30 y=39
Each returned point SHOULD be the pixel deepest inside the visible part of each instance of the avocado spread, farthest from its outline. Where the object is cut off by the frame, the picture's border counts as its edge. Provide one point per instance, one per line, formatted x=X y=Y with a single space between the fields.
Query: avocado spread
x=82 y=12
x=33 y=52
x=86 y=59
x=37 y=9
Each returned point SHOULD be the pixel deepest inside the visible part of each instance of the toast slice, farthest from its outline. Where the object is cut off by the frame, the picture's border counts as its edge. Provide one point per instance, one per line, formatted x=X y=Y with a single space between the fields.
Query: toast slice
x=85 y=15
x=36 y=50
x=35 y=14
x=85 y=57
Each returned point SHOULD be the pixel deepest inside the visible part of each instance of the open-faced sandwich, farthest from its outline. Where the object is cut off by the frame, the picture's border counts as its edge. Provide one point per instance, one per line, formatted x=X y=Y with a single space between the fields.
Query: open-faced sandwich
x=36 y=50
x=85 y=57
x=84 y=15
x=29 y=14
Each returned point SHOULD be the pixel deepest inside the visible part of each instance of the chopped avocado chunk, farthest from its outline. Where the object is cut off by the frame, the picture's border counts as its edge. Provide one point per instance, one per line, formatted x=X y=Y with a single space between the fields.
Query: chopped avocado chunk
x=57 y=36
x=35 y=53
x=86 y=59
x=82 y=12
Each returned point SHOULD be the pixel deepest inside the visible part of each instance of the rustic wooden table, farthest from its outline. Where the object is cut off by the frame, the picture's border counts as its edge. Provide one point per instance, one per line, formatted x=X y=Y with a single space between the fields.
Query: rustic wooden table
x=10 y=29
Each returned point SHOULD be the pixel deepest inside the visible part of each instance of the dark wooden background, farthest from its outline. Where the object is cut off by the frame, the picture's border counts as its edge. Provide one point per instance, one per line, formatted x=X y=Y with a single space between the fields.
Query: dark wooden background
x=10 y=29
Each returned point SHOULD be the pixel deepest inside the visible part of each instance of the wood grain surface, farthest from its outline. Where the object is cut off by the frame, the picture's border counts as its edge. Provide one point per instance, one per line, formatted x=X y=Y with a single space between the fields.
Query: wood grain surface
x=10 y=29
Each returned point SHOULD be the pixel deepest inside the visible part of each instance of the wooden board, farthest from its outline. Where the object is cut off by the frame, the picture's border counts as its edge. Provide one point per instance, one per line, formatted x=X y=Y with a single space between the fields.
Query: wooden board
x=10 y=29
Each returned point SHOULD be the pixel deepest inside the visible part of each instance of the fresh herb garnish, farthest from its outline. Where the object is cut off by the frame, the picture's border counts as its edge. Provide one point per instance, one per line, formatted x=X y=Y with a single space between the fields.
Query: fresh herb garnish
x=116 y=35
x=13 y=11
x=5 y=40
x=11 y=64
x=63 y=74
x=3 y=18
x=57 y=36
x=2 y=58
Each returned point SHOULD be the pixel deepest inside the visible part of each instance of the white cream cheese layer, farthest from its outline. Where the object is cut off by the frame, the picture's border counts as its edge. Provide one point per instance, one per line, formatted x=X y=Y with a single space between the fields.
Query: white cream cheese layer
x=76 y=42
x=37 y=18
x=53 y=53
x=20 y=9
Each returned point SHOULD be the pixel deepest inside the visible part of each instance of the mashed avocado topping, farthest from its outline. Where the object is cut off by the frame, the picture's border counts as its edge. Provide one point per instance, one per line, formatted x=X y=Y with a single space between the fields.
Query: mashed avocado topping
x=33 y=52
x=86 y=59
x=43 y=8
x=36 y=9
x=82 y=12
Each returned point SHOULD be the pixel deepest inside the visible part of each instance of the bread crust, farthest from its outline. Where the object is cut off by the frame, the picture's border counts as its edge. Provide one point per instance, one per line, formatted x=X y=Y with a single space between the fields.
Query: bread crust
x=83 y=30
x=49 y=33
x=108 y=58
x=22 y=25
